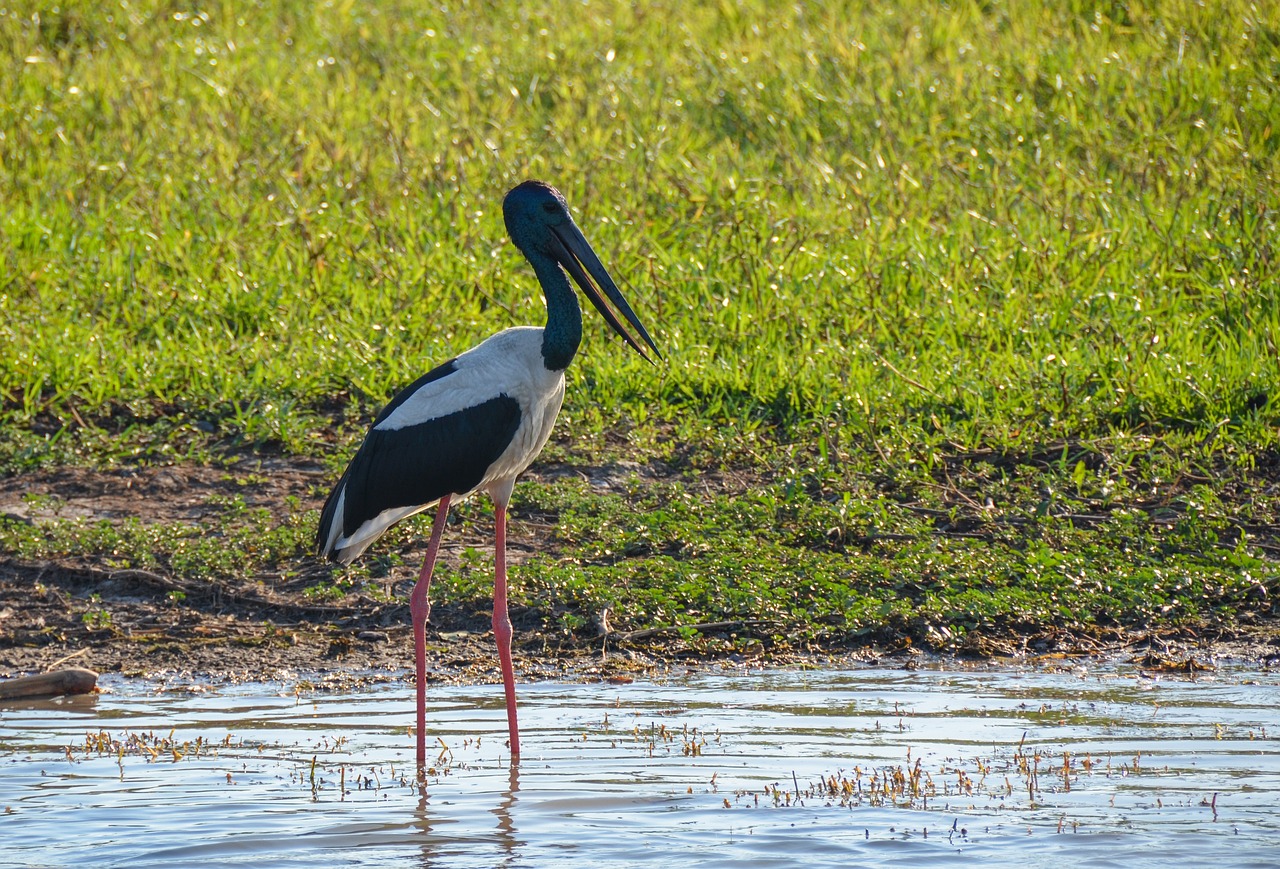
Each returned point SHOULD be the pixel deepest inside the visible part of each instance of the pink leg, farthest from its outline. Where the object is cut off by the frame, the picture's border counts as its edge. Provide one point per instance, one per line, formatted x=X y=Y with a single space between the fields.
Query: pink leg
x=419 y=610
x=502 y=623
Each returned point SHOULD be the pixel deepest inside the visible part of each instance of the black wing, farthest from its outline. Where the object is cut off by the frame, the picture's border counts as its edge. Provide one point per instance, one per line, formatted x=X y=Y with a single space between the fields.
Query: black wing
x=419 y=464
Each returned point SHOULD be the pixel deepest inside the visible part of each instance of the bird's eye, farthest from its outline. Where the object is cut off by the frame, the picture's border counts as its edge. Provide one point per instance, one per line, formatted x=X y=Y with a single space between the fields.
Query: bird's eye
x=550 y=207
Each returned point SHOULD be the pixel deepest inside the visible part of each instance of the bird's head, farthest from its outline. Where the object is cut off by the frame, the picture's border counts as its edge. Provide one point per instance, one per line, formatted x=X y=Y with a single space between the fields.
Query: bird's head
x=539 y=223
x=530 y=210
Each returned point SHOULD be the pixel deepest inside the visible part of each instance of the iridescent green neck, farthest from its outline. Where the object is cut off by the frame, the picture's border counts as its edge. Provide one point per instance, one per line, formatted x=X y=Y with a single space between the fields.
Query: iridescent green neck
x=563 y=333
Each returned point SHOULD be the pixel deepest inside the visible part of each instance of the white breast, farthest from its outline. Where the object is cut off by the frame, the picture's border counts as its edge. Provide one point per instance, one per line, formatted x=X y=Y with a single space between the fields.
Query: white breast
x=540 y=393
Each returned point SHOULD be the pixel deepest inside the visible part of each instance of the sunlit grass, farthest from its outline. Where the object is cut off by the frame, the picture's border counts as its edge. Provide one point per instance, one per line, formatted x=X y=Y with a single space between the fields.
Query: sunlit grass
x=1044 y=218
x=869 y=238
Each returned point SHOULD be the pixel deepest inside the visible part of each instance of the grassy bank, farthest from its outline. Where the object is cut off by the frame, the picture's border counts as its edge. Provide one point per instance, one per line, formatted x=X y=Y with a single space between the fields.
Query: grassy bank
x=970 y=312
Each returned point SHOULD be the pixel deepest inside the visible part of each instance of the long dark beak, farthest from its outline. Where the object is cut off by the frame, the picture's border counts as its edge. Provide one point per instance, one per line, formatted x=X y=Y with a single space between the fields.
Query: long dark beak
x=582 y=264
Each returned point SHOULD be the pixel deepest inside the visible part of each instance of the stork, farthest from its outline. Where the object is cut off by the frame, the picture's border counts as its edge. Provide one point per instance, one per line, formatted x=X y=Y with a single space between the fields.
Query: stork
x=476 y=422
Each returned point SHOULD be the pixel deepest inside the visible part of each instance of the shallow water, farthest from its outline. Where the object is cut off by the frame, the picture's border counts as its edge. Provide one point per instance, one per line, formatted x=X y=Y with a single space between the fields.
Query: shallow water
x=867 y=767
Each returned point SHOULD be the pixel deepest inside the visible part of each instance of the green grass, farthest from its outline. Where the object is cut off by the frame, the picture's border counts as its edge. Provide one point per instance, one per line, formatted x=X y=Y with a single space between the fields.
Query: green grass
x=900 y=257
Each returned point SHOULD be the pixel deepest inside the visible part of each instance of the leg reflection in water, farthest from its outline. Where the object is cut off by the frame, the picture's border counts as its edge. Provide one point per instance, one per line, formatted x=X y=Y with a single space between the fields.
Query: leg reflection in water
x=435 y=846
x=506 y=825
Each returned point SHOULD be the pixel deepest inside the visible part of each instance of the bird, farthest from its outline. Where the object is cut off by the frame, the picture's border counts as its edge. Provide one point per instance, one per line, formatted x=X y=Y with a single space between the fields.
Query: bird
x=476 y=422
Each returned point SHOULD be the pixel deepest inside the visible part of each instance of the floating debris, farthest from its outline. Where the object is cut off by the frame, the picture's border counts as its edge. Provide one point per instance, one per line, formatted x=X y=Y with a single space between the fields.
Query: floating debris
x=70 y=680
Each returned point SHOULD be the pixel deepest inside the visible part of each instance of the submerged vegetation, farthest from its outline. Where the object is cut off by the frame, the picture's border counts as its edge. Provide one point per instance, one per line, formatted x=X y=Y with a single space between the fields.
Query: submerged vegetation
x=969 y=310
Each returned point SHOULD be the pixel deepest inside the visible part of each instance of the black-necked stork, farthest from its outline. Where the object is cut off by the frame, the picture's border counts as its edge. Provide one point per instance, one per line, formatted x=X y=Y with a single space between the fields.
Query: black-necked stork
x=476 y=422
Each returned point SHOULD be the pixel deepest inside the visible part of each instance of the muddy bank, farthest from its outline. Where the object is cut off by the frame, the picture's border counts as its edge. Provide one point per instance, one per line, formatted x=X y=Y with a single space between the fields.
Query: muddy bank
x=157 y=623
x=247 y=637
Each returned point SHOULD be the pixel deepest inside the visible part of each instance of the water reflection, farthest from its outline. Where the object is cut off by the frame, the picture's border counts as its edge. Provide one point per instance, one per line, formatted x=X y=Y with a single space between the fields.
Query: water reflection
x=724 y=769
x=435 y=847
x=503 y=812
x=422 y=821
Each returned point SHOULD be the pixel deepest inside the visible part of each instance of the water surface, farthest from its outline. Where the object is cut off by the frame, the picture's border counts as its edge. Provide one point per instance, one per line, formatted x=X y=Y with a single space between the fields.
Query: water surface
x=871 y=767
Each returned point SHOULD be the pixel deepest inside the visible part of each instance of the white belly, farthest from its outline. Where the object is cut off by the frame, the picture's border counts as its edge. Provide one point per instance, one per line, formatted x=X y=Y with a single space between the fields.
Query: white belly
x=536 y=421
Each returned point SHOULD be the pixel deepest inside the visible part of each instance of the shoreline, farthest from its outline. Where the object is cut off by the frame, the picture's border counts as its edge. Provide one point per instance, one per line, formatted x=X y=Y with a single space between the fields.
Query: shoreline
x=218 y=650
